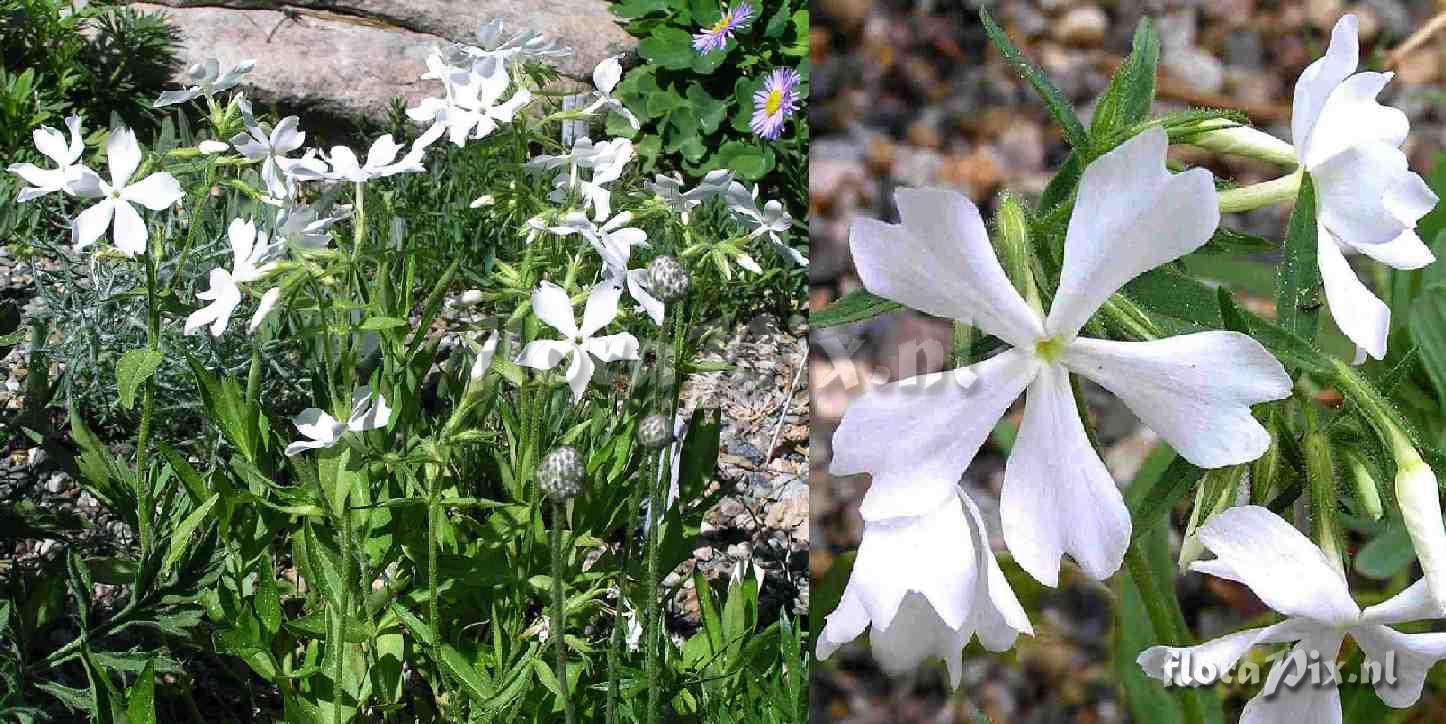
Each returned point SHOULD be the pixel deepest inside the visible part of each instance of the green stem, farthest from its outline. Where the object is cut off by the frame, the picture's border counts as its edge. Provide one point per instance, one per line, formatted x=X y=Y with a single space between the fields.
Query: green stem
x=338 y=687
x=1266 y=193
x=148 y=407
x=1166 y=619
x=632 y=513
x=433 y=510
x=559 y=628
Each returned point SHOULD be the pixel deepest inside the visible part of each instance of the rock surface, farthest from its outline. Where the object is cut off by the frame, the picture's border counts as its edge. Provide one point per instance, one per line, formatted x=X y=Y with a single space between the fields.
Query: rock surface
x=349 y=59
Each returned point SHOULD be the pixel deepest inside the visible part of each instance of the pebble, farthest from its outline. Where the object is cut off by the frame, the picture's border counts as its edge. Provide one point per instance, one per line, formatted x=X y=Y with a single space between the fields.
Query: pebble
x=1082 y=26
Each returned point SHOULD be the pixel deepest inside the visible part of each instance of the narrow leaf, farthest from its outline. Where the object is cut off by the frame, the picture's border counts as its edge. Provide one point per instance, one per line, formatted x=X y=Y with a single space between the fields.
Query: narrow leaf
x=133 y=369
x=1297 y=289
x=181 y=536
x=141 y=707
x=852 y=307
x=1132 y=89
x=1054 y=100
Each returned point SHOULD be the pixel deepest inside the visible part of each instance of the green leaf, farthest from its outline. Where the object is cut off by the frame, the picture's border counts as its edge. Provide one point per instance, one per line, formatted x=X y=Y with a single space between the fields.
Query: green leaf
x=326 y=566
x=1297 y=289
x=181 y=536
x=1387 y=554
x=1428 y=331
x=1132 y=89
x=417 y=625
x=1054 y=100
x=141 y=704
x=746 y=160
x=133 y=369
x=853 y=307
x=700 y=454
x=268 y=599
x=669 y=47
x=377 y=324
x=462 y=670
x=708 y=610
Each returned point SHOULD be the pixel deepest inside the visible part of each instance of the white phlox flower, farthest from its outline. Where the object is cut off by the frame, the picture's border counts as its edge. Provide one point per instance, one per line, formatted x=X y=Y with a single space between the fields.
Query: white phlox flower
x=482 y=355
x=614 y=242
x=605 y=160
x=925 y=585
x=321 y=430
x=251 y=252
x=1367 y=200
x=51 y=143
x=472 y=104
x=157 y=191
x=770 y=222
x=1131 y=215
x=303 y=226
x=278 y=172
x=206 y=79
x=669 y=189
x=495 y=46
x=605 y=78
x=381 y=161
x=551 y=305
x=1292 y=576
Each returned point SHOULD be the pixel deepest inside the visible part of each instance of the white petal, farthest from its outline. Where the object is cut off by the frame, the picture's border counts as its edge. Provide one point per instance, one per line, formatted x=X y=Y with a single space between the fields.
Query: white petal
x=51 y=143
x=264 y=308
x=210 y=146
x=544 y=354
x=1351 y=116
x=77 y=142
x=1411 y=656
x=1058 y=497
x=1412 y=604
x=285 y=138
x=612 y=347
x=1351 y=192
x=130 y=230
x=1410 y=198
x=995 y=614
x=224 y=298
x=155 y=192
x=1404 y=252
x=83 y=182
x=1202 y=663
x=1280 y=565
x=45 y=180
x=373 y=416
x=1365 y=319
x=1306 y=701
x=916 y=634
x=92 y=223
x=321 y=429
x=1194 y=390
x=551 y=305
x=946 y=425
x=172 y=97
x=638 y=290
x=383 y=151
x=123 y=155
x=939 y=261
x=242 y=236
x=344 y=164
x=579 y=373
x=607 y=74
x=601 y=309
x=1131 y=215
x=483 y=360
x=1320 y=78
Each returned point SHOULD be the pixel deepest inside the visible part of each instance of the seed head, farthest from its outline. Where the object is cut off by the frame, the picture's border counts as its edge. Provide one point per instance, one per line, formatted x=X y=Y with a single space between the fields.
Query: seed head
x=668 y=279
x=560 y=473
x=653 y=432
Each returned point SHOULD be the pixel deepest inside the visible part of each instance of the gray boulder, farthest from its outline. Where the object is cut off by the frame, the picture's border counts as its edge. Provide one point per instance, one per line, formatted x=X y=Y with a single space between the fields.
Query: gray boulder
x=347 y=59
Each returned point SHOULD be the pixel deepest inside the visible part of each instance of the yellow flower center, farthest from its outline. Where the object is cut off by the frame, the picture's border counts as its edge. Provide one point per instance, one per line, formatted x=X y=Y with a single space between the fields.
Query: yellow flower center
x=775 y=101
x=722 y=24
x=1050 y=349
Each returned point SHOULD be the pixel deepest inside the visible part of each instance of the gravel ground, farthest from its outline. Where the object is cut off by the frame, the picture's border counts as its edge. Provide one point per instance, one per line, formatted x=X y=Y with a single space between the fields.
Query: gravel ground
x=911 y=94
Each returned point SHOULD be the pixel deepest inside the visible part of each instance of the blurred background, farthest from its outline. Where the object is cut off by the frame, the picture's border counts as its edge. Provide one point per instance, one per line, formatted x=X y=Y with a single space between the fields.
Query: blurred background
x=912 y=94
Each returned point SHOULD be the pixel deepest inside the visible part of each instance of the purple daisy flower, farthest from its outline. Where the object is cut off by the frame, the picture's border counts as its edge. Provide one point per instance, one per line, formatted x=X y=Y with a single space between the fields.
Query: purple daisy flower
x=714 y=38
x=775 y=102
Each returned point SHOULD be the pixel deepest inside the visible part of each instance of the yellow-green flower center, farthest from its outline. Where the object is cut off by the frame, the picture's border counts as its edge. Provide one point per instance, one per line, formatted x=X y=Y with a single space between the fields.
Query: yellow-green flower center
x=775 y=101
x=1050 y=349
x=721 y=25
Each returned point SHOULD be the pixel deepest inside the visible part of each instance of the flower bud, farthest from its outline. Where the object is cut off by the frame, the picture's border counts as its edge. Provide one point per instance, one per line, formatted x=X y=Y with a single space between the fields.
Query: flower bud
x=1368 y=495
x=668 y=279
x=1420 y=502
x=1226 y=136
x=560 y=473
x=653 y=432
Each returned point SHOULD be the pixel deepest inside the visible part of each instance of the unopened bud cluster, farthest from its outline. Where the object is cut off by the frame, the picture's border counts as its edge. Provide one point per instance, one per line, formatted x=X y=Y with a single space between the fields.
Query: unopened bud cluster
x=667 y=279
x=560 y=473
x=653 y=432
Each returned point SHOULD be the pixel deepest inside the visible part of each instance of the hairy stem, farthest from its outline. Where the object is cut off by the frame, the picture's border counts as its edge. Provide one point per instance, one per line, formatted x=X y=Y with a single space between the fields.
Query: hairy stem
x=1166 y=619
x=559 y=628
